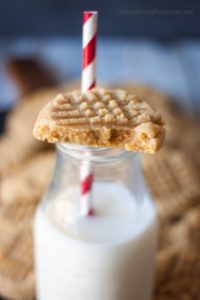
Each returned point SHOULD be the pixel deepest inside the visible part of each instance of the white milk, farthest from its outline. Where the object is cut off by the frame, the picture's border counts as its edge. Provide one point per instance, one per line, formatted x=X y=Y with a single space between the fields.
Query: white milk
x=108 y=257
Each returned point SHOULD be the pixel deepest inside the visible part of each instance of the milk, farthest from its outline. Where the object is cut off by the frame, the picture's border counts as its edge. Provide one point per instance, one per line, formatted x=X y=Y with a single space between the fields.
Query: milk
x=106 y=257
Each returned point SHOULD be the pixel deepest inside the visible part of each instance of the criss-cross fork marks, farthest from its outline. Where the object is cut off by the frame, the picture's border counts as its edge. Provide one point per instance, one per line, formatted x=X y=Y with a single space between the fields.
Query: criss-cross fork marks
x=100 y=106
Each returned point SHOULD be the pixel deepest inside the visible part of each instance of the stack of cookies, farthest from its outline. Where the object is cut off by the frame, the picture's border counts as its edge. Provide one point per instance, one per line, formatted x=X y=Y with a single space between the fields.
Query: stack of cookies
x=172 y=175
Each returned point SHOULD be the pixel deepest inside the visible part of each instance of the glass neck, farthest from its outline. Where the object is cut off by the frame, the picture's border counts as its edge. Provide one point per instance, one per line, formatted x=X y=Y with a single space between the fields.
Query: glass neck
x=109 y=166
x=93 y=154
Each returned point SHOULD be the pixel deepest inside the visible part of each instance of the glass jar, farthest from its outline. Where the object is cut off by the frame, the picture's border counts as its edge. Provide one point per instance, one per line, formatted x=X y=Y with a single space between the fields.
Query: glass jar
x=107 y=256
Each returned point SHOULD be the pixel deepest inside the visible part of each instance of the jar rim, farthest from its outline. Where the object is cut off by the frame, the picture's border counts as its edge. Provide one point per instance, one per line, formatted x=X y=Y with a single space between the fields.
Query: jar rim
x=98 y=154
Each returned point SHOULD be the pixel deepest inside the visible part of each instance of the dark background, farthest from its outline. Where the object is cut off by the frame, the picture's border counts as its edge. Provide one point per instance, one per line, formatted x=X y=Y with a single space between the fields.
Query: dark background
x=166 y=20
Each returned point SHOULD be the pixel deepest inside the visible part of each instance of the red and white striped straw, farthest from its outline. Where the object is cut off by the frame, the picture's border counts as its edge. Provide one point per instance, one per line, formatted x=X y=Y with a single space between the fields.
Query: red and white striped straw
x=87 y=177
x=88 y=82
x=89 y=50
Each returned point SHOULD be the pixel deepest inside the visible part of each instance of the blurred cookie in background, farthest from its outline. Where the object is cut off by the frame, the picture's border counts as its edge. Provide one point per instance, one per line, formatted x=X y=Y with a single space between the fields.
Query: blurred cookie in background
x=30 y=74
x=17 y=144
x=28 y=181
x=173 y=181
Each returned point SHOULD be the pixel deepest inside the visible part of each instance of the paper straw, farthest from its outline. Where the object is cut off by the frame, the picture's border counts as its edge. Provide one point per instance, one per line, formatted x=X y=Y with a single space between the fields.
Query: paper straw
x=86 y=176
x=89 y=50
x=88 y=82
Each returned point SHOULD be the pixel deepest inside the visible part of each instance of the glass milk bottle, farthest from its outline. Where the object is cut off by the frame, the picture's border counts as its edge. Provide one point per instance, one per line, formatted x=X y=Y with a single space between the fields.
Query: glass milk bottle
x=107 y=256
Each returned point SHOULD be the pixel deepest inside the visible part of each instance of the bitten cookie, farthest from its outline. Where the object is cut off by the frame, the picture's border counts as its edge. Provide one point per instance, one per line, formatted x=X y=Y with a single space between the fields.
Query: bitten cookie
x=101 y=118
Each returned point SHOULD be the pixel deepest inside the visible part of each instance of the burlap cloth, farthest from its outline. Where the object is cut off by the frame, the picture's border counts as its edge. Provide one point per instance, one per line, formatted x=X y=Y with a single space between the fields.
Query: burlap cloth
x=173 y=176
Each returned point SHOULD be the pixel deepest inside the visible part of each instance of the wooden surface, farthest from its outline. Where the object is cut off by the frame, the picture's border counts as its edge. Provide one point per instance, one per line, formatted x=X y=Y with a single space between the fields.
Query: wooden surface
x=173 y=68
